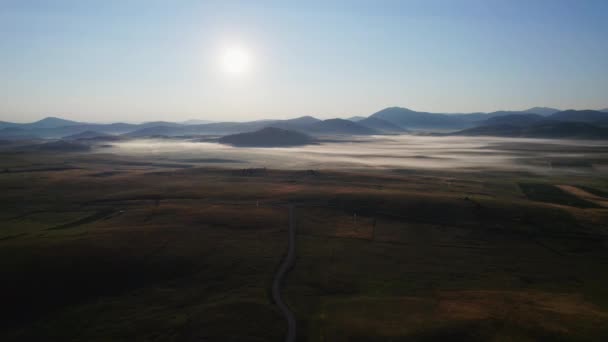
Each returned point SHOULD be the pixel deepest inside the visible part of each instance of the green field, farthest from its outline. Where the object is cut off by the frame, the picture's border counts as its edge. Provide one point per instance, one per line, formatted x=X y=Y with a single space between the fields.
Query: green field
x=95 y=249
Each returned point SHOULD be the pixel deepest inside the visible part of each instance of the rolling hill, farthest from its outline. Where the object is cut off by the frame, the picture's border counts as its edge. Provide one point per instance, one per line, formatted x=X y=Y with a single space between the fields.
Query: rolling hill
x=297 y=124
x=52 y=122
x=387 y=121
x=513 y=119
x=340 y=126
x=86 y=135
x=381 y=125
x=356 y=118
x=410 y=119
x=155 y=131
x=196 y=122
x=544 y=111
x=589 y=116
x=16 y=133
x=267 y=137
x=48 y=122
x=541 y=129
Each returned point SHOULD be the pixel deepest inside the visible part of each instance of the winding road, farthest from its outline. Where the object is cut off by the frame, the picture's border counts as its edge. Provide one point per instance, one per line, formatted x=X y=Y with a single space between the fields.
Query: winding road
x=279 y=278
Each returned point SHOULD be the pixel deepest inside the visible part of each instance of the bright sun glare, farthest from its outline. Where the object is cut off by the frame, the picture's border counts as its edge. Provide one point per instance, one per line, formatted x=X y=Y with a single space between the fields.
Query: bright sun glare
x=236 y=60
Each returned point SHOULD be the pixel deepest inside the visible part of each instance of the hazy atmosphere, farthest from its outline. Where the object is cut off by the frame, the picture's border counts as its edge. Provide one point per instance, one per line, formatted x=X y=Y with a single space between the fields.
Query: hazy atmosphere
x=304 y=171
x=136 y=60
x=540 y=156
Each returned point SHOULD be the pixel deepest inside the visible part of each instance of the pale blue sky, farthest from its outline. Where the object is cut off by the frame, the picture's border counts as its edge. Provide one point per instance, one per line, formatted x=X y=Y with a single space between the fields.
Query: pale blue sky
x=122 y=60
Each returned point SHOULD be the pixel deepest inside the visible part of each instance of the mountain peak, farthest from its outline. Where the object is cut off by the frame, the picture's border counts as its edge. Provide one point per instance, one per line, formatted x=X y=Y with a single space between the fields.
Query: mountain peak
x=541 y=111
x=52 y=119
x=53 y=122
x=396 y=109
x=307 y=119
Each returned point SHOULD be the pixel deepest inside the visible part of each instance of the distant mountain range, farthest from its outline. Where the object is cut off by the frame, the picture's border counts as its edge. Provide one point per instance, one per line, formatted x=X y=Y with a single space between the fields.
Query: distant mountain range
x=513 y=119
x=196 y=122
x=589 y=116
x=544 y=111
x=404 y=117
x=392 y=120
x=49 y=122
x=87 y=135
x=573 y=124
x=542 y=129
x=410 y=119
x=94 y=137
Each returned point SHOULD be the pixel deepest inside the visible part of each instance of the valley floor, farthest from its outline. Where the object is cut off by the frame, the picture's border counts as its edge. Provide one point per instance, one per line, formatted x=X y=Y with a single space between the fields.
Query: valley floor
x=94 y=248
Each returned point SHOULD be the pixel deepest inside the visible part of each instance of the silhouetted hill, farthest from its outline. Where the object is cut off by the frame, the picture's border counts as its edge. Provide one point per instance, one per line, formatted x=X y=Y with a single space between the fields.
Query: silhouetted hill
x=196 y=122
x=115 y=128
x=381 y=125
x=544 y=111
x=589 y=116
x=513 y=119
x=18 y=133
x=52 y=122
x=471 y=119
x=298 y=124
x=155 y=131
x=227 y=127
x=388 y=120
x=407 y=118
x=58 y=132
x=541 y=129
x=12 y=131
x=340 y=126
x=303 y=120
x=46 y=123
x=86 y=135
x=159 y=123
x=267 y=137
x=577 y=130
x=498 y=130
x=356 y=118
x=5 y=124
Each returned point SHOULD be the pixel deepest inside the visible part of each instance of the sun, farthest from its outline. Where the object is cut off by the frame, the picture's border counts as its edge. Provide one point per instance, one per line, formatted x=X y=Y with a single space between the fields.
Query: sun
x=236 y=60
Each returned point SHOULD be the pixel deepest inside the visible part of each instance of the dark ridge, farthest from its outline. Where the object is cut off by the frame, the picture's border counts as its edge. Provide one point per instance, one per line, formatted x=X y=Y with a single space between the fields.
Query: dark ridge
x=513 y=119
x=267 y=137
x=381 y=125
x=340 y=126
x=588 y=116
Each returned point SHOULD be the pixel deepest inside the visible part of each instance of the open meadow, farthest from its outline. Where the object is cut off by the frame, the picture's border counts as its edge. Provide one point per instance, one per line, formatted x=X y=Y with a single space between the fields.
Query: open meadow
x=117 y=245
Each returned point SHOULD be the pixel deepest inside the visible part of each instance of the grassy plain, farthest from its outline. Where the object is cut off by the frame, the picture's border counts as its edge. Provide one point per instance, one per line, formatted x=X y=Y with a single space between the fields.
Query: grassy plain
x=98 y=247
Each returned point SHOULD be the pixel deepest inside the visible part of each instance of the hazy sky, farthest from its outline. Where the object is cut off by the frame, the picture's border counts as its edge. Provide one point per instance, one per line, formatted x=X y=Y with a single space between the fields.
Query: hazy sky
x=111 y=60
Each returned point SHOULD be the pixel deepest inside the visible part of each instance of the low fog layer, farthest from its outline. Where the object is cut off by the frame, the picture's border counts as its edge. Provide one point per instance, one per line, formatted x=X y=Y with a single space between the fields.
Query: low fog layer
x=398 y=152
